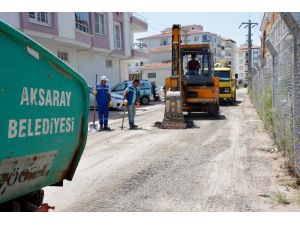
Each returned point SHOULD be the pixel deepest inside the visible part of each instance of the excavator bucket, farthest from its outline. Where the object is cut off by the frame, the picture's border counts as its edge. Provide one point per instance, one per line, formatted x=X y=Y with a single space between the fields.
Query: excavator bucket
x=173 y=118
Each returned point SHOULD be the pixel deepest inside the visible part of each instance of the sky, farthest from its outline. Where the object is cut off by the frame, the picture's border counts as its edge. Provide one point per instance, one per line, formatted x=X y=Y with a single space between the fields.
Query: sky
x=226 y=24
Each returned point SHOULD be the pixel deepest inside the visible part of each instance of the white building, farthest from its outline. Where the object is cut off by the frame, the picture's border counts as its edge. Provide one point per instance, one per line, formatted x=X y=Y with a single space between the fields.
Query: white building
x=92 y=43
x=158 y=65
x=228 y=48
x=241 y=63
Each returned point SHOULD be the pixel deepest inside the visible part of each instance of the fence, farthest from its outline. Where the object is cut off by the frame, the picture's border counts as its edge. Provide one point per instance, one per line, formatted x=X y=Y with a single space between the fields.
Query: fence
x=274 y=88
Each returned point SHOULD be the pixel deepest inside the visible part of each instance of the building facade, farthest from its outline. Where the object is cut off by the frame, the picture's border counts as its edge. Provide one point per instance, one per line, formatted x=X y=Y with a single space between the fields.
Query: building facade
x=241 y=61
x=92 y=43
x=158 y=65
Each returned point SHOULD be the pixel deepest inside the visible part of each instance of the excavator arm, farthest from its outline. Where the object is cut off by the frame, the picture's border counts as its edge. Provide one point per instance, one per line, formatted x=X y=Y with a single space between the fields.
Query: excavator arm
x=173 y=118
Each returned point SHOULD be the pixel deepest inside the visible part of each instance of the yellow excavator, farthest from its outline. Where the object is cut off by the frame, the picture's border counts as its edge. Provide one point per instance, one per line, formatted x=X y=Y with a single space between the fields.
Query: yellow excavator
x=189 y=90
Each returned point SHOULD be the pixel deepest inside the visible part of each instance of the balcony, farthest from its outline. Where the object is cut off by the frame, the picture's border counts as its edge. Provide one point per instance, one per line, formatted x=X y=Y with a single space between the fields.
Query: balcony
x=138 y=23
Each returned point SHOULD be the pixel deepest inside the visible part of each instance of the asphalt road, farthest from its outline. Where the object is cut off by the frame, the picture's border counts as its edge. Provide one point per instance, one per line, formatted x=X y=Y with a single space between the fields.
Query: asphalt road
x=222 y=164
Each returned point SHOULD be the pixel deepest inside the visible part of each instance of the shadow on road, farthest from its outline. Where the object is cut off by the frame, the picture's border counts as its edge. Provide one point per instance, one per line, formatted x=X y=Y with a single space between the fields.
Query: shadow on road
x=204 y=116
x=228 y=104
x=118 y=114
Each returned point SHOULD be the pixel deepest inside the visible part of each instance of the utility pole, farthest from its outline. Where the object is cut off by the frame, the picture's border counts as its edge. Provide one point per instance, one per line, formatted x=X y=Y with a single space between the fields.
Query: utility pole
x=250 y=25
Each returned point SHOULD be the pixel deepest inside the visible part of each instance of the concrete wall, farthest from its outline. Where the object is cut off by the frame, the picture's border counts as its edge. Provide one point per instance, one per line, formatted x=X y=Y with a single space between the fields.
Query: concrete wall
x=159 y=57
x=161 y=74
x=90 y=64
x=127 y=35
x=13 y=18
x=66 y=21
x=72 y=53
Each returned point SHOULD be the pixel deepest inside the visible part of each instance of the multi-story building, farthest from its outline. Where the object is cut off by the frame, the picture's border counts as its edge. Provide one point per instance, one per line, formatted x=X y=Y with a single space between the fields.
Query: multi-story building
x=241 y=60
x=228 y=48
x=92 y=43
x=158 y=65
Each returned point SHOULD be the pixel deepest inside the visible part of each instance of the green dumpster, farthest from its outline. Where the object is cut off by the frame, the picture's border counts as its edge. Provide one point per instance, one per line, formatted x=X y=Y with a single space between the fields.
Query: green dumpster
x=43 y=118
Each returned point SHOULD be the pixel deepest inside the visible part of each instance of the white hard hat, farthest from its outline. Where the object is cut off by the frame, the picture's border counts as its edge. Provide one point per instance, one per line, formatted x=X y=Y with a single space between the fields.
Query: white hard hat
x=104 y=78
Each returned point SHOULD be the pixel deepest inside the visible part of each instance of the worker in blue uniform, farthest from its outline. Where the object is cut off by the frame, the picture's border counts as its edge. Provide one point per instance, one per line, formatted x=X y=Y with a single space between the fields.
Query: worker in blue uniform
x=103 y=98
x=131 y=96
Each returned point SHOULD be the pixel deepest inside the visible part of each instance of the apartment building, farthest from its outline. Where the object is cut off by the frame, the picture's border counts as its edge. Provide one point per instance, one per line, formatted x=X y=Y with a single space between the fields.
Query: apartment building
x=158 y=65
x=228 y=48
x=90 y=42
x=241 y=60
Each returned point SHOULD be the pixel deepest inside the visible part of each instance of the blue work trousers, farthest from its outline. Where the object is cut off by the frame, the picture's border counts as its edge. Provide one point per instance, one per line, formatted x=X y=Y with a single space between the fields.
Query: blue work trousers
x=131 y=113
x=103 y=110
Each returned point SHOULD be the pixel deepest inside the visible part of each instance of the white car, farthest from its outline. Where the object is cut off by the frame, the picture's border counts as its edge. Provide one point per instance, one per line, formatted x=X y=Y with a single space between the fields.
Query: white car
x=116 y=100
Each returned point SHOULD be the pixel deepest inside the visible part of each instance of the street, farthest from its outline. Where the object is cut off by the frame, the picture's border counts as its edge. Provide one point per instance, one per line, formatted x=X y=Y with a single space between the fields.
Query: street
x=225 y=164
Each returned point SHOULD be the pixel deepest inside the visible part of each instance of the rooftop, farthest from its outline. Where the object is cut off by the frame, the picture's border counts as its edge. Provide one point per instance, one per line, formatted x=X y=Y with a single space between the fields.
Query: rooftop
x=187 y=29
x=158 y=64
x=161 y=48
x=245 y=46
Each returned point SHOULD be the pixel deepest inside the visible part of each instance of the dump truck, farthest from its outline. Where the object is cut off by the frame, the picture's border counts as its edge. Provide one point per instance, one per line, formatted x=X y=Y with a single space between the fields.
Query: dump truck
x=227 y=81
x=43 y=120
x=189 y=90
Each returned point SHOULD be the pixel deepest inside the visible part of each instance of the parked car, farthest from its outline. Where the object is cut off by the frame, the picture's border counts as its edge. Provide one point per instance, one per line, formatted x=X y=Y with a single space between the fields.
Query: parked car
x=116 y=100
x=145 y=90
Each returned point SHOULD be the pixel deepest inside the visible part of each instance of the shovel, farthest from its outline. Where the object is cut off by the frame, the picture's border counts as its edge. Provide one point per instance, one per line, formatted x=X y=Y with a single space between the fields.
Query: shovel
x=93 y=128
x=123 y=117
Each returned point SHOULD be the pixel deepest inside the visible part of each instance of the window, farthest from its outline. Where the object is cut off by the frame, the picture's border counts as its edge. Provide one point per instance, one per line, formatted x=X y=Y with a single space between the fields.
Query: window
x=164 y=42
x=63 y=56
x=108 y=63
x=99 y=24
x=206 y=38
x=241 y=61
x=145 y=85
x=42 y=18
x=151 y=75
x=241 y=54
x=205 y=65
x=196 y=38
x=117 y=36
x=121 y=87
x=241 y=67
x=223 y=75
x=82 y=20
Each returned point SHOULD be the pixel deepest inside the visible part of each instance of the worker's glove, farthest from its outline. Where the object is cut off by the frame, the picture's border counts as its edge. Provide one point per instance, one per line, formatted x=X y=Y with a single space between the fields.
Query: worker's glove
x=137 y=103
x=95 y=92
x=125 y=102
x=110 y=104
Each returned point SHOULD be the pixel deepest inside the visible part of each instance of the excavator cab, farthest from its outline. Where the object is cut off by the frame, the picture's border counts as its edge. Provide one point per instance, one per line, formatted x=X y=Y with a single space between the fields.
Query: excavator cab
x=187 y=90
x=202 y=75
